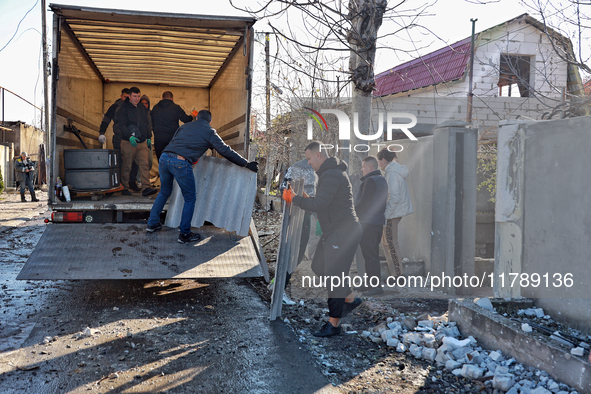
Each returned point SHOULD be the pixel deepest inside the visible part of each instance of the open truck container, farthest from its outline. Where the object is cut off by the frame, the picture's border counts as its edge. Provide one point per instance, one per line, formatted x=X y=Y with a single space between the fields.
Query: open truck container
x=206 y=61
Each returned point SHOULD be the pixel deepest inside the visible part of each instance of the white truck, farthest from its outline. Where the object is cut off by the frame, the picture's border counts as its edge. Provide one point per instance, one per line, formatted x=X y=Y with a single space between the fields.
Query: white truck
x=206 y=61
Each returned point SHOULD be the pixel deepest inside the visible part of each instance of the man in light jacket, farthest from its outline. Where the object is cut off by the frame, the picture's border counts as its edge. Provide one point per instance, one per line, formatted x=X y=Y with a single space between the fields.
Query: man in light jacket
x=398 y=205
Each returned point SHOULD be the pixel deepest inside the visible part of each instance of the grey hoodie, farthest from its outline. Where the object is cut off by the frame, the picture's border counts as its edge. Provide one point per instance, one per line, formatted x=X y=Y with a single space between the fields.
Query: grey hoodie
x=399 y=203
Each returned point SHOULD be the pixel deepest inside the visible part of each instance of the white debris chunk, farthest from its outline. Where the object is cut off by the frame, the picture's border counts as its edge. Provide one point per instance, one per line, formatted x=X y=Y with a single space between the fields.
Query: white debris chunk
x=392 y=342
x=503 y=381
x=484 y=303
x=540 y=390
x=456 y=343
x=425 y=323
x=496 y=356
x=416 y=351
x=452 y=365
x=429 y=354
x=400 y=348
x=526 y=327
x=539 y=312
x=471 y=371
x=577 y=351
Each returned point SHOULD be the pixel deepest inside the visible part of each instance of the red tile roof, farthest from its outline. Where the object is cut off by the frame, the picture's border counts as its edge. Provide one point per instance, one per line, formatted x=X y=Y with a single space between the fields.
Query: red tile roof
x=444 y=65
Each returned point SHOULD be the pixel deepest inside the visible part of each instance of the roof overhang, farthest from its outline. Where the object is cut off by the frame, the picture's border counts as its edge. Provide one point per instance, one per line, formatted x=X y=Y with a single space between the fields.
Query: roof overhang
x=152 y=47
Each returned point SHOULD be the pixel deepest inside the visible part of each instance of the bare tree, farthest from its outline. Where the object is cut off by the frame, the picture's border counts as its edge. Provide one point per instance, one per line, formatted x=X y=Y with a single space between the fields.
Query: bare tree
x=317 y=38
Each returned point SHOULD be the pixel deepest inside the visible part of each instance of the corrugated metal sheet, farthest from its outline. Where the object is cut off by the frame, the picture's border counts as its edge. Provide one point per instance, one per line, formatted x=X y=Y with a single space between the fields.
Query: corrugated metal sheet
x=154 y=48
x=225 y=196
x=444 y=65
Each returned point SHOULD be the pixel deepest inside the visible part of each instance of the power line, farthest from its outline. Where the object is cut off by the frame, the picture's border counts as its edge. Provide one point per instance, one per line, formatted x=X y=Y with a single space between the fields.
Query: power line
x=19 y=24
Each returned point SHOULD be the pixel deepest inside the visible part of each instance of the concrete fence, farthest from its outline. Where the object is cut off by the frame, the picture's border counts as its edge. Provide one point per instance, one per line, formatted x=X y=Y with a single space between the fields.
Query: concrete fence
x=543 y=216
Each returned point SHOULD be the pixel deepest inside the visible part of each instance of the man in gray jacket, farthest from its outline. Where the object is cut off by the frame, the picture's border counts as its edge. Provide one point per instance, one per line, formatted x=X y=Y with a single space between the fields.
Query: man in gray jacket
x=25 y=170
x=398 y=205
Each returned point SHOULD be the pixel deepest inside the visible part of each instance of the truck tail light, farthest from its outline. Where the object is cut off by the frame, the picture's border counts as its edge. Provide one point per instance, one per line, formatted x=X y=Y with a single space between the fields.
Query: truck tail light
x=66 y=217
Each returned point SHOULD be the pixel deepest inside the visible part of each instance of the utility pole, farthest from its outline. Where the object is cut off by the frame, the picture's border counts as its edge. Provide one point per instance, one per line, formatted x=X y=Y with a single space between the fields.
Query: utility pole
x=471 y=87
x=45 y=85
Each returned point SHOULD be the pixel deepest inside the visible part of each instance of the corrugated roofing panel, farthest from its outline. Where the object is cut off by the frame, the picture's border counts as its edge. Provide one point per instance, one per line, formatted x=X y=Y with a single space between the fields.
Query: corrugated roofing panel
x=225 y=196
x=444 y=65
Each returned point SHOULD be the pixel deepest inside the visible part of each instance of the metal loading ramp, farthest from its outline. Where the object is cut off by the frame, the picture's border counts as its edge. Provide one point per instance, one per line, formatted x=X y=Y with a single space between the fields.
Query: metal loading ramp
x=127 y=251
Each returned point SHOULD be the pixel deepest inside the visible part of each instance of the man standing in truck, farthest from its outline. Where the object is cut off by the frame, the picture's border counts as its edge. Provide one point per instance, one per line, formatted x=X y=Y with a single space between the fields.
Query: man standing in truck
x=132 y=124
x=165 y=121
x=189 y=143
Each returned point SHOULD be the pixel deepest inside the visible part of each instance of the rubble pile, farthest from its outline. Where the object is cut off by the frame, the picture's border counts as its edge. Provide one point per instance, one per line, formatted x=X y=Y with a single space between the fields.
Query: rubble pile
x=439 y=342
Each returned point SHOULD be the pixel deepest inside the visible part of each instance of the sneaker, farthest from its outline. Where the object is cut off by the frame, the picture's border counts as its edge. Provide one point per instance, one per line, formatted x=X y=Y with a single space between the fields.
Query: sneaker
x=328 y=330
x=133 y=186
x=149 y=191
x=154 y=228
x=191 y=237
x=349 y=306
x=287 y=300
x=126 y=192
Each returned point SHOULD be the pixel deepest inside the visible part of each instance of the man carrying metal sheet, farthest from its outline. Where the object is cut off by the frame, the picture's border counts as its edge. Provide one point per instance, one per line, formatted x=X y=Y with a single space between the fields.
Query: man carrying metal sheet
x=189 y=143
x=341 y=232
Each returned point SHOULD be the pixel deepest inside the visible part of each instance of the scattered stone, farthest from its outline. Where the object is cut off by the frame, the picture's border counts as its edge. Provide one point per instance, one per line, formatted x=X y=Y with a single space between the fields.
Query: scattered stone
x=392 y=342
x=540 y=390
x=429 y=340
x=387 y=335
x=47 y=339
x=416 y=351
x=577 y=351
x=539 y=312
x=484 y=303
x=552 y=386
x=455 y=343
x=503 y=381
x=88 y=332
x=400 y=348
x=409 y=323
x=501 y=370
x=425 y=323
x=496 y=356
x=365 y=334
x=411 y=337
x=526 y=327
x=471 y=371
x=452 y=365
x=457 y=371
x=429 y=354
x=461 y=352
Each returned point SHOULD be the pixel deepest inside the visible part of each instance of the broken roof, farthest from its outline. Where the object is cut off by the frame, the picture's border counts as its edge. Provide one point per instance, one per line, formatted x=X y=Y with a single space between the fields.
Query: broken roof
x=444 y=65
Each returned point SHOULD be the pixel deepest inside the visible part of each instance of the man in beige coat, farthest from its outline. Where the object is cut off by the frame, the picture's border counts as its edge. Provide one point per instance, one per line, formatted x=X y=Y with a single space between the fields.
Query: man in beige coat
x=398 y=205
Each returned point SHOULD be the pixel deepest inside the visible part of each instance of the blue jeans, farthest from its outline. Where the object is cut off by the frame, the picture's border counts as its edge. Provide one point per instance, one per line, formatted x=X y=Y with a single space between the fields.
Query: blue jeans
x=171 y=168
x=28 y=182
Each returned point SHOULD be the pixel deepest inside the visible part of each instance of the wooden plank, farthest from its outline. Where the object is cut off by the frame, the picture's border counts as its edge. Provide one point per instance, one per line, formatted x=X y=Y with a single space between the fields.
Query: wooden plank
x=65 y=113
x=236 y=122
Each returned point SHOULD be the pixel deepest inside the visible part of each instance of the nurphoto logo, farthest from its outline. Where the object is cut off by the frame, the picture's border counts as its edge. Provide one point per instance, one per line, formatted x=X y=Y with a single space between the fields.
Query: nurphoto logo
x=392 y=119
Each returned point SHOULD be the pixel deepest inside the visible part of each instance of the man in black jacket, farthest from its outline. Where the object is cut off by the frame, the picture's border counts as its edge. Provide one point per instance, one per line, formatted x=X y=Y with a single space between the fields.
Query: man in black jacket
x=165 y=121
x=109 y=116
x=341 y=232
x=189 y=143
x=370 y=207
x=132 y=124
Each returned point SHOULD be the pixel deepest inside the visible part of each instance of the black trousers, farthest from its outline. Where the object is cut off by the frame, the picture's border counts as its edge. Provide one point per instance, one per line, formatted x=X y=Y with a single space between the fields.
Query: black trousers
x=370 y=248
x=159 y=147
x=333 y=259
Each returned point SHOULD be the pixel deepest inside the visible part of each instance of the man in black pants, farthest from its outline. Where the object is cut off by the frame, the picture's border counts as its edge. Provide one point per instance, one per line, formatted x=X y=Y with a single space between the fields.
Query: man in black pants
x=341 y=232
x=370 y=207
x=165 y=121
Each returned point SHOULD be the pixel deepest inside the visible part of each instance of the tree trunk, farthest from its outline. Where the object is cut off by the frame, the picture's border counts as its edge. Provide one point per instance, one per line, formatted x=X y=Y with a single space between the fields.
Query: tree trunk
x=366 y=18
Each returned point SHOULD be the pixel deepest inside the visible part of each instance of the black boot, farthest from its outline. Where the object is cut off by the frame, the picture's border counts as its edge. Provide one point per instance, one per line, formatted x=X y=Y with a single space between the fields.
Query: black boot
x=23 y=199
x=33 y=198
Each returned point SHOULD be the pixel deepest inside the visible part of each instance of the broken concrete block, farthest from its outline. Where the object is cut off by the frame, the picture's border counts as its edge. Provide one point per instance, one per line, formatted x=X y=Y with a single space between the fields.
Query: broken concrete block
x=496 y=356
x=484 y=303
x=416 y=351
x=513 y=390
x=457 y=371
x=442 y=358
x=409 y=323
x=577 y=351
x=539 y=312
x=501 y=370
x=392 y=342
x=425 y=323
x=461 y=352
x=387 y=335
x=411 y=337
x=540 y=390
x=365 y=334
x=475 y=357
x=429 y=354
x=526 y=327
x=471 y=371
x=503 y=381
x=456 y=343
x=429 y=340
x=560 y=339
x=452 y=365
x=380 y=328
x=552 y=386
x=395 y=325
x=400 y=348
x=492 y=367
x=375 y=339
x=450 y=331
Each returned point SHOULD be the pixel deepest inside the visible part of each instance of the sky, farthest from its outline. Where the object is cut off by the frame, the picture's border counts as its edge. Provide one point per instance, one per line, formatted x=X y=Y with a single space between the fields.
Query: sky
x=20 y=60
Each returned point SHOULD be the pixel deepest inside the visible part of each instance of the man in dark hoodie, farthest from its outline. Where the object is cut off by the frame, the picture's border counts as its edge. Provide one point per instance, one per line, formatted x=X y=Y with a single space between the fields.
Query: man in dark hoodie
x=370 y=206
x=133 y=125
x=109 y=116
x=189 y=143
x=165 y=120
x=341 y=232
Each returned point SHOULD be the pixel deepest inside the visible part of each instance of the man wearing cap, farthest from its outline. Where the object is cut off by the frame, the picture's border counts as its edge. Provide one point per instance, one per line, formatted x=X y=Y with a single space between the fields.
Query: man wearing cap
x=25 y=170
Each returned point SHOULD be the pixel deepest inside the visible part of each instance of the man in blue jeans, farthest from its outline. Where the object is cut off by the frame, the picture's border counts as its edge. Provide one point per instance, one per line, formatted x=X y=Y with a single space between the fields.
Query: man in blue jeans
x=188 y=144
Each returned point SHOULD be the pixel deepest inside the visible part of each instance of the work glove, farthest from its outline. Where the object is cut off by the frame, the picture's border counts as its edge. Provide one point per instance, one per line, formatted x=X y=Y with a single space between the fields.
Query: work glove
x=102 y=139
x=253 y=166
x=288 y=194
x=133 y=141
x=149 y=143
x=194 y=113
